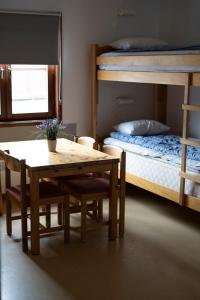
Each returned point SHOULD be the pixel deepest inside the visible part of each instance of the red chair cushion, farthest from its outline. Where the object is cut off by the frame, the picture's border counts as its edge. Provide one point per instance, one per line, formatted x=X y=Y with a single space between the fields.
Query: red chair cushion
x=46 y=190
x=88 y=185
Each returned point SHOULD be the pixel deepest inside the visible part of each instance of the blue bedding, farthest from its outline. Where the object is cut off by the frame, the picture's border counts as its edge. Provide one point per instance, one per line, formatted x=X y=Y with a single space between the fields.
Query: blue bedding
x=164 y=144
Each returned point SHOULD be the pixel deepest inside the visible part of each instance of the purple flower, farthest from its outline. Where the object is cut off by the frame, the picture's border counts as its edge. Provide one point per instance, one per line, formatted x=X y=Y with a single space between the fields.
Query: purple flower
x=50 y=128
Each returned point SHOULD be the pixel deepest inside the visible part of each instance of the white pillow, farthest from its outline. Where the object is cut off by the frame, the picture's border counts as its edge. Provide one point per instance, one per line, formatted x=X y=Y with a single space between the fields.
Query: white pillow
x=141 y=127
x=142 y=43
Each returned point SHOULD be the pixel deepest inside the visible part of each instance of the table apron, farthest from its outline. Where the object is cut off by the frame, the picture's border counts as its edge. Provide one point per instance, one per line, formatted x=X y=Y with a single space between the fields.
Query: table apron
x=75 y=170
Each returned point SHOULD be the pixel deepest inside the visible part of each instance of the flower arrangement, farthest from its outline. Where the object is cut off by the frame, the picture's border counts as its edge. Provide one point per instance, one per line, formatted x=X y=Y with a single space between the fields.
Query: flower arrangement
x=51 y=128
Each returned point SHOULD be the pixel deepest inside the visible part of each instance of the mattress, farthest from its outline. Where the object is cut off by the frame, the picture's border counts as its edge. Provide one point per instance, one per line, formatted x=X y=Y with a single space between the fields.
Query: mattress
x=159 y=172
x=154 y=169
x=150 y=67
x=147 y=53
x=192 y=165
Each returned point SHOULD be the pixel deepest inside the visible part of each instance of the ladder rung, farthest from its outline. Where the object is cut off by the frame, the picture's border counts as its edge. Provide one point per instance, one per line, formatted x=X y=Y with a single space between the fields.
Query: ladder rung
x=190 y=142
x=191 y=107
x=194 y=178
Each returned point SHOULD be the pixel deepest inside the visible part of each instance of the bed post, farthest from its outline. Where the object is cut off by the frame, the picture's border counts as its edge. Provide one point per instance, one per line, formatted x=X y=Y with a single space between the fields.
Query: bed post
x=1 y=198
x=184 y=135
x=94 y=91
x=1 y=193
x=161 y=102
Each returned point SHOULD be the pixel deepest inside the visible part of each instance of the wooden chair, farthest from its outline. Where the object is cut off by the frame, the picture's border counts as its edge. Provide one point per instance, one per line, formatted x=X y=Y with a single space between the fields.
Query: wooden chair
x=49 y=194
x=91 y=207
x=86 y=141
x=87 y=189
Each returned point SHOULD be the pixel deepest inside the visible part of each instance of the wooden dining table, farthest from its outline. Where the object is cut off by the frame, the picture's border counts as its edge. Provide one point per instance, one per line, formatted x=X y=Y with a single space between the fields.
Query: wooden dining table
x=70 y=158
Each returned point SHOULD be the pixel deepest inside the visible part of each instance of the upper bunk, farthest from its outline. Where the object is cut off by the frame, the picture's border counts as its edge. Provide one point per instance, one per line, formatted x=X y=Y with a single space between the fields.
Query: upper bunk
x=175 y=67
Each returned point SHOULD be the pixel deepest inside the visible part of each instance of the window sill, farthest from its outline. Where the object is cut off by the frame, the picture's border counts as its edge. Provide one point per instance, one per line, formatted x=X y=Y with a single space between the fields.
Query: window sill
x=19 y=123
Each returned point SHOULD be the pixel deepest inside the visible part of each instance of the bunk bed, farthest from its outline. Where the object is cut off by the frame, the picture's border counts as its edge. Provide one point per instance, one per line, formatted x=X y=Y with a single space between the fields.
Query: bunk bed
x=181 y=68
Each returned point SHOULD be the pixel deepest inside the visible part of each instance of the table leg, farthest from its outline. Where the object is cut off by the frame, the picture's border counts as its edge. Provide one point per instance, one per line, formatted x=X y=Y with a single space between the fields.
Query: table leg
x=113 y=202
x=34 y=191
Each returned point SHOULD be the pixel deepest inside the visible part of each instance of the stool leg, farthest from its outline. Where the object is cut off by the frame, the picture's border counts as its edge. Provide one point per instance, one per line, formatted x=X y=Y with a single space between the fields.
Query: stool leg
x=60 y=214
x=121 y=216
x=24 y=228
x=100 y=209
x=83 y=220
x=8 y=216
x=95 y=210
x=66 y=219
x=48 y=215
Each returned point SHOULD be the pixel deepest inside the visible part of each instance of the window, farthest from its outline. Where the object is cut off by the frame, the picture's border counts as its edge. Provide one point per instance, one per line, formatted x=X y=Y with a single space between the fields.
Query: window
x=30 y=65
x=27 y=92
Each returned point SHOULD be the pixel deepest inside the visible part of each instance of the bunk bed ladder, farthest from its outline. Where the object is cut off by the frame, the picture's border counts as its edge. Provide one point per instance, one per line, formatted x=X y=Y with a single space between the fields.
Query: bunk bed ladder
x=187 y=142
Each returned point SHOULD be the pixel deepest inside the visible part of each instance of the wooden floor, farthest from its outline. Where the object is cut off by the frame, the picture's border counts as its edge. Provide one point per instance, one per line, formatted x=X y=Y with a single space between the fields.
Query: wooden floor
x=158 y=258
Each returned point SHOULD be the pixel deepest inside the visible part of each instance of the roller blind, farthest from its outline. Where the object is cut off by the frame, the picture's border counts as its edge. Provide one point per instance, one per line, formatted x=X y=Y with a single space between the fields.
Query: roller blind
x=28 y=38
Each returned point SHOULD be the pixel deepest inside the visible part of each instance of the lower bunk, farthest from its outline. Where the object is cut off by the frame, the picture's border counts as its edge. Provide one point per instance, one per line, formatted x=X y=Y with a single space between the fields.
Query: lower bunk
x=159 y=173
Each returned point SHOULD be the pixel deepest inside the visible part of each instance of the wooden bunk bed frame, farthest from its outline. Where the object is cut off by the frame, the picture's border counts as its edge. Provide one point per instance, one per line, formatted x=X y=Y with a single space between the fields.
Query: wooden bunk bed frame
x=161 y=80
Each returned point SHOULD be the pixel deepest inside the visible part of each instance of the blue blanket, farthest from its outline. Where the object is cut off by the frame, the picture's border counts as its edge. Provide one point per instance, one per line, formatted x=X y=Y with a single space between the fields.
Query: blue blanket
x=165 y=144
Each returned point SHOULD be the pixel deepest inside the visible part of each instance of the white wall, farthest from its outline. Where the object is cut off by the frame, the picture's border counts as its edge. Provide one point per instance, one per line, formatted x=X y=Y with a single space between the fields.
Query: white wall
x=180 y=23
x=111 y=113
x=144 y=23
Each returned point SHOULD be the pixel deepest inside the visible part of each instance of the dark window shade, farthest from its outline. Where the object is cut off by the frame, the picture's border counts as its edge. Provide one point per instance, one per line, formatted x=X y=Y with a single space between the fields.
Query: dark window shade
x=29 y=39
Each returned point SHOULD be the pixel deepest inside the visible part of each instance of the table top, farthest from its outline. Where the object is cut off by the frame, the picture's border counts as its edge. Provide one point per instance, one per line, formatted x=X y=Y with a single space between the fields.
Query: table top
x=36 y=153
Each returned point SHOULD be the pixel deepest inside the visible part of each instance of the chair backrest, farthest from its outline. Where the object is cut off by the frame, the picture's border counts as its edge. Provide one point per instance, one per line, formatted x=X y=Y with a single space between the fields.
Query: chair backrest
x=121 y=154
x=16 y=165
x=87 y=141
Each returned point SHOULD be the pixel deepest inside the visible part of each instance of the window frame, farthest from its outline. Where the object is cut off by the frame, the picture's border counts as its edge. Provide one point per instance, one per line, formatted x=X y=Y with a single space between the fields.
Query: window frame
x=54 y=106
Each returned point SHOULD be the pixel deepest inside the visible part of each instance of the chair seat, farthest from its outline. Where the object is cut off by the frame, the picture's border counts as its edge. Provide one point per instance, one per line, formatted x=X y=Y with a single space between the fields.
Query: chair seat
x=62 y=179
x=46 y=190
x=88 y=185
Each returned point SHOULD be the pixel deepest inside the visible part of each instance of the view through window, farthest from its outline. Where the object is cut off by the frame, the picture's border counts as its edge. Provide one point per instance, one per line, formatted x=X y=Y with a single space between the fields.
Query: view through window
x=29 y=88
x=28 y=92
